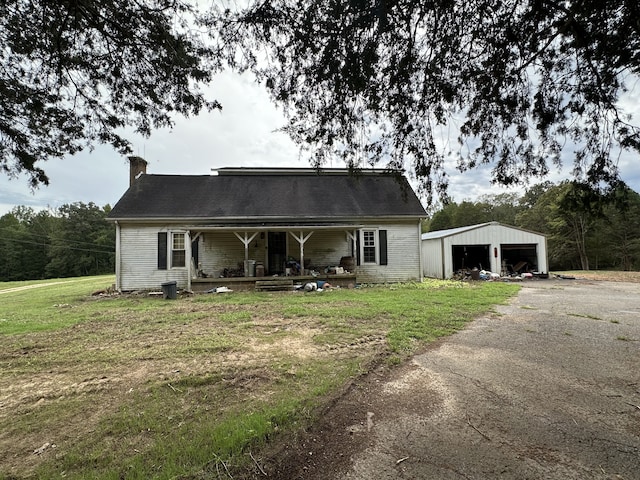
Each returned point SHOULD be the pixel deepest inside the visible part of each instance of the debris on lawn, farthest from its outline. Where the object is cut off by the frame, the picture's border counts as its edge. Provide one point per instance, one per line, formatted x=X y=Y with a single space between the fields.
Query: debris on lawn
x=486 y=275
x=43 y=448
x=219 y=290
x=105 y=292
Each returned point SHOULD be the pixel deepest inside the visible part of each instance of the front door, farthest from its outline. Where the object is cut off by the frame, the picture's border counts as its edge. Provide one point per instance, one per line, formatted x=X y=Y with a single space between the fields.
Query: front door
x=277 y=252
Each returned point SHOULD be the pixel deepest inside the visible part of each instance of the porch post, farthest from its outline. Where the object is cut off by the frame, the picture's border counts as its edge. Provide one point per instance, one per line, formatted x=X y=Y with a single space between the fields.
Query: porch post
x=351 y=236
x=301 y=240
x=188 y=259
x=247 y=241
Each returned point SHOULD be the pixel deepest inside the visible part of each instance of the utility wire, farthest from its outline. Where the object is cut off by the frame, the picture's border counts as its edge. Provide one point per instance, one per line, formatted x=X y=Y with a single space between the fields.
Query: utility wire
x=92 y=244
x=67 y=247
x=48 y=236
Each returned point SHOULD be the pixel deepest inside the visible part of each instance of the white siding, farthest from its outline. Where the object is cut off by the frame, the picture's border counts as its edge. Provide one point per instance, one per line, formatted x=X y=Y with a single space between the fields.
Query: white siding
x=139 y=260
x=432 y=258
x=403 y=256
x=138 y=254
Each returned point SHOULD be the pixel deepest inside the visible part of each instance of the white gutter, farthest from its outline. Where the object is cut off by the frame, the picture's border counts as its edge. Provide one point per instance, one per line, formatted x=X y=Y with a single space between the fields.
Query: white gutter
x=117 y=256
x=420 y=265
x=294 y=221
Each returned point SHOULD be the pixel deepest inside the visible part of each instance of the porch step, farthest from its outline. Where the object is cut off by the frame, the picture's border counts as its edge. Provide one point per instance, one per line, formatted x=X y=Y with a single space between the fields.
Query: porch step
x=273 y=285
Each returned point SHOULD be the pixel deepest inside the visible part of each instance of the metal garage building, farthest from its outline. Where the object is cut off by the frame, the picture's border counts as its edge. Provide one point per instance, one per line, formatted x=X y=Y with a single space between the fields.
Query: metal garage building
x=489 y=246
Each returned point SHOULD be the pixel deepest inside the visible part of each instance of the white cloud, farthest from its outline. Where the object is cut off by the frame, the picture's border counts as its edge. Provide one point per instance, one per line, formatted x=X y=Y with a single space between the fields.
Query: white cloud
x=242 y=134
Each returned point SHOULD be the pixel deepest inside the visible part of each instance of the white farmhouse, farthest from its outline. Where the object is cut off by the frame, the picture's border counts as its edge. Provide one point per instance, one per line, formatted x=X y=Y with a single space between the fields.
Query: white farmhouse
x=244 y=224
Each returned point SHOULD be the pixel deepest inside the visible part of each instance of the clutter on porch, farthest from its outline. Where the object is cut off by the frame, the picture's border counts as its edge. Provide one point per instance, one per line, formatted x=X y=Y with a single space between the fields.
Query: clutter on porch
x=291 y=268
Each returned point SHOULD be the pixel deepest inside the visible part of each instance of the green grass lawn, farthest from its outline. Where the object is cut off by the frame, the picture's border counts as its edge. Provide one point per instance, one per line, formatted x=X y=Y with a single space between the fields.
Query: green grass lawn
x=138 y=387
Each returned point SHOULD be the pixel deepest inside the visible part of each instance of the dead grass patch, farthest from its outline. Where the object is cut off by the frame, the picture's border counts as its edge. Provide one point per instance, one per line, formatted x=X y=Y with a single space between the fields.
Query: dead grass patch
x=604 y=275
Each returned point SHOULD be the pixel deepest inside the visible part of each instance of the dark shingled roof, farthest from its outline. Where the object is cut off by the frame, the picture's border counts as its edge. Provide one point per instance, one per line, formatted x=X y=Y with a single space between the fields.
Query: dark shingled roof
x=236 y=195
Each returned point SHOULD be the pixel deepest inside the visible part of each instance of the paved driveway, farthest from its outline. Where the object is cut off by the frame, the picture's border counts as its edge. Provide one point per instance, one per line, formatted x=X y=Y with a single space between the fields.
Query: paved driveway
x=548 y=388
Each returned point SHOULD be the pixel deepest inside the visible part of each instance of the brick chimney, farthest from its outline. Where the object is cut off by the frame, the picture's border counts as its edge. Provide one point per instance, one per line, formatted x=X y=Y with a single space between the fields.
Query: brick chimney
x=137 y=167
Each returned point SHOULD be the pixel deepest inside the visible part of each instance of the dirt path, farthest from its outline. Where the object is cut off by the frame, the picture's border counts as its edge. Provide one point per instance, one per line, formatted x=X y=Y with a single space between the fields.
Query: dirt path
x=36 y=285
x=549 y=387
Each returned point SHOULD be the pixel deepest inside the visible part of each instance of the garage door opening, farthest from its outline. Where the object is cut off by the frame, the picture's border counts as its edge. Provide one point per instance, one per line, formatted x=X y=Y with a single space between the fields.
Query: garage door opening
x=519 y=258
x=467 y=257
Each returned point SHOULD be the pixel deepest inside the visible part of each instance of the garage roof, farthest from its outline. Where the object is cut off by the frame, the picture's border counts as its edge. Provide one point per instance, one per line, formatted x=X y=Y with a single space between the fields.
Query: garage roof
x=455 y=231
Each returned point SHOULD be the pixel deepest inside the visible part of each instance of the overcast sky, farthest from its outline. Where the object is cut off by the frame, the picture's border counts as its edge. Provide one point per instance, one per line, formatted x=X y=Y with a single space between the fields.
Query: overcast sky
x=243 y=134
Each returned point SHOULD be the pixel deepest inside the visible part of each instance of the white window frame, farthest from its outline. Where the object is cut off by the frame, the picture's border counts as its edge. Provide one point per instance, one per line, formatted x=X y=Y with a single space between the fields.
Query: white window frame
x=172 y=249
x=375 y=246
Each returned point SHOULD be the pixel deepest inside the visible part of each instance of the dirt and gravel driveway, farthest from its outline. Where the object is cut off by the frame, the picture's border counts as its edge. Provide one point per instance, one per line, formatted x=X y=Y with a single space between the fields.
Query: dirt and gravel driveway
x=546 y=388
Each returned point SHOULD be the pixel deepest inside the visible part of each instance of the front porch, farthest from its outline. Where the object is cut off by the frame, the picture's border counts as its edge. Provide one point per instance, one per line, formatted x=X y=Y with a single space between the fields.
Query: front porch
x=237 y=257
x=202 y=285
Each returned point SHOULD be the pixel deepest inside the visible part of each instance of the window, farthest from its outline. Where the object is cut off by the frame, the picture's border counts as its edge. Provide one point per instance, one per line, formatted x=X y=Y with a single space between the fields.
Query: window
x=178 y=252
x=369 y=246
x=372 y=247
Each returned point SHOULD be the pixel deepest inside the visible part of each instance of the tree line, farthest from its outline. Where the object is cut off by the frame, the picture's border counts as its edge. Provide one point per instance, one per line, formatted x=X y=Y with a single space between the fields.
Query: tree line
x=73 y=240
x=585 y=228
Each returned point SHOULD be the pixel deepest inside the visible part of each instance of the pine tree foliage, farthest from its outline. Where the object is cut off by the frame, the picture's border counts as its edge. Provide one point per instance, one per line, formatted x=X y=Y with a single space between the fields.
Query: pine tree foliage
x=585 y=229
x=74 y=240
x=373 y=80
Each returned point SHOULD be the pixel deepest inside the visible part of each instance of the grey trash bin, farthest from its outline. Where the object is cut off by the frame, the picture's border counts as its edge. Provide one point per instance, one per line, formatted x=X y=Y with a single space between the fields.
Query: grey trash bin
x=249 y=268
x=170 y=290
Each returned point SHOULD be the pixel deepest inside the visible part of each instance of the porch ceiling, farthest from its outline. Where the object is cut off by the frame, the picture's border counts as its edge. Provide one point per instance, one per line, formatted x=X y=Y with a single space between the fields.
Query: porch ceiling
x=274 y=228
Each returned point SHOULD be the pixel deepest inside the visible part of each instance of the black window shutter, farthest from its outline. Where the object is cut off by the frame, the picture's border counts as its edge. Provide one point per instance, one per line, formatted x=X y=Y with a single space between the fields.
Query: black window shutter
x=382 y=237
x=358 y=247
x=162 y=250
x=195 y=251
